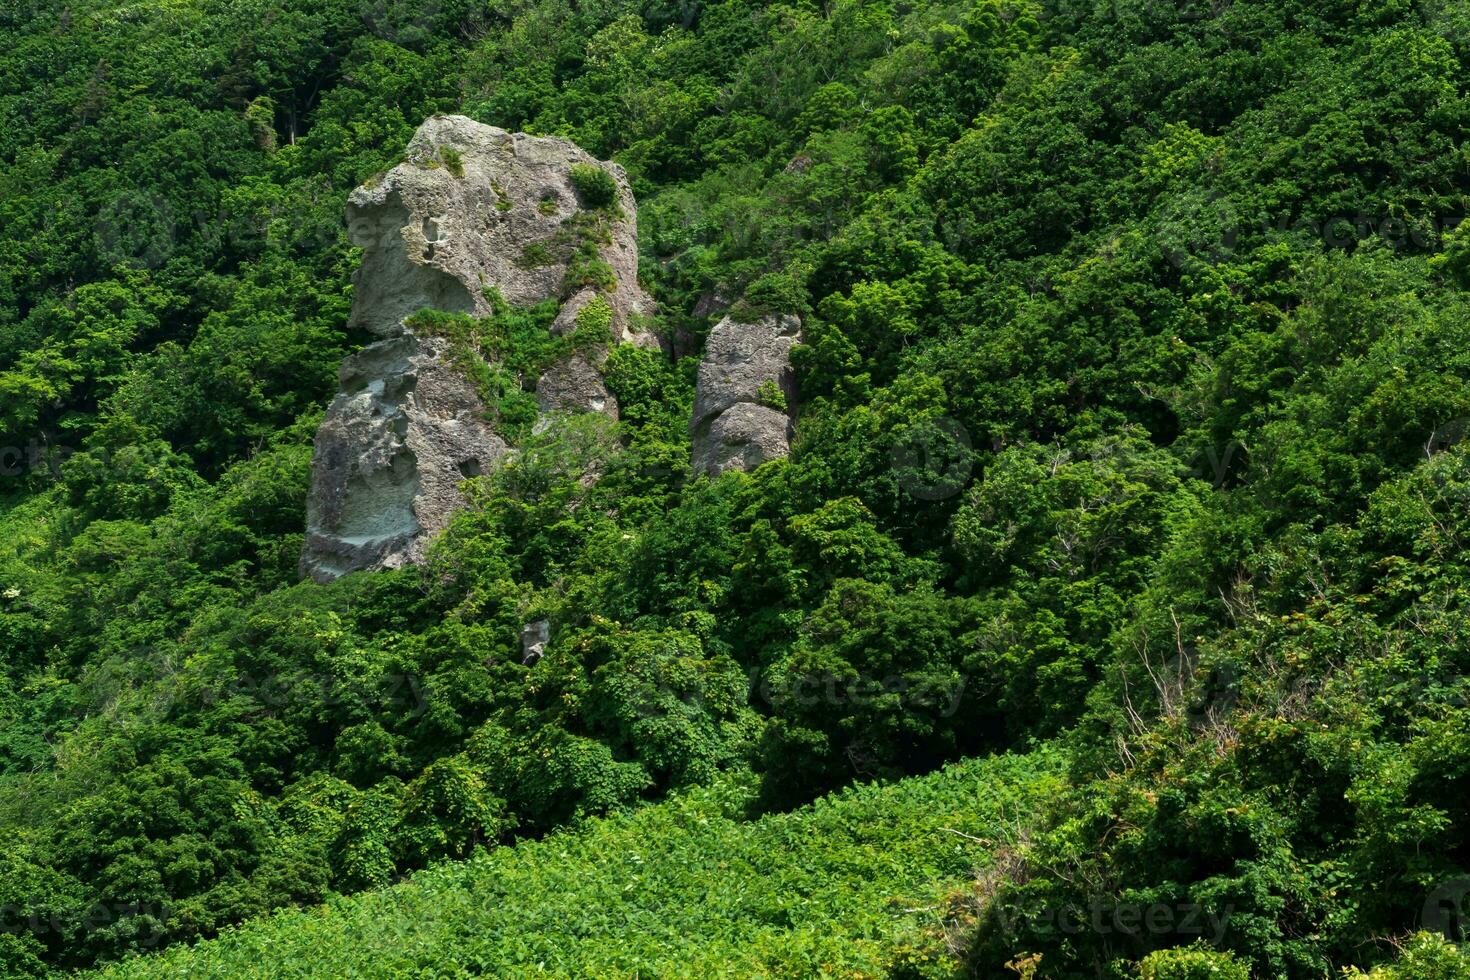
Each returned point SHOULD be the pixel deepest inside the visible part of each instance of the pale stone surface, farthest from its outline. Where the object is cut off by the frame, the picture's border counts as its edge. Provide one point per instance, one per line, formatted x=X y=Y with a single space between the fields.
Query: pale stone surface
x=731 y=429
x=742 y=438
x=471 y=207
x=431 y=234
x=406 y=429
x=575 y=385
x=534 y=637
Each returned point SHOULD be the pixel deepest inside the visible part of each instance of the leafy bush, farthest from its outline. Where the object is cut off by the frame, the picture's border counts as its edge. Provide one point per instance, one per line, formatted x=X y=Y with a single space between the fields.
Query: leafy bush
x=1426 y=957
x=595 y=187
x=1134 y=375
x=771 y=396
x=596 y=315
x=453 y=160
x=1191 y=963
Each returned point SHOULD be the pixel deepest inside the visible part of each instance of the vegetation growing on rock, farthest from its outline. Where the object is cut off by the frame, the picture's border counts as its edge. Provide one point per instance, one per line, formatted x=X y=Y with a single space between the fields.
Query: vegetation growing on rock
x=595 y=186
x=1133 y=379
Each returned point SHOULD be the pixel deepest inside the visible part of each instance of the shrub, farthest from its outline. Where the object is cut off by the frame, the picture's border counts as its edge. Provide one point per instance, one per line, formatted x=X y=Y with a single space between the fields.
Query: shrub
x=586 y=267
x=771 y=396
x=775 y=292
x=536 y=255
x=260 y=114
x=595 y=186
x=596 y=315
x=1427 y=957
x=1197 y=962
x=453 y=160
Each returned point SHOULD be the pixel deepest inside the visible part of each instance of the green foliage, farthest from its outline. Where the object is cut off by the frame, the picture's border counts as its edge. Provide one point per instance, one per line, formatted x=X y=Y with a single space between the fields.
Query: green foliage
x=682 y=888
x=1134 y=383
x=1191 y=963
x=505 y=353
x=1455 y=260
x=261 y=115
x=774 y=292
x=449 y=812
x=587 y=267
x=535 y=255
x=1426 y=957
x=771 y=396
x=595 y=187
x=453 y=160
x=596 y=315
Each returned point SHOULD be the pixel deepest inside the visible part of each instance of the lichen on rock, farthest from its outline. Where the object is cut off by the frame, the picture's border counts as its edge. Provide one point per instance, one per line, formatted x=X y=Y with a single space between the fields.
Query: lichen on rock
x=456 y=219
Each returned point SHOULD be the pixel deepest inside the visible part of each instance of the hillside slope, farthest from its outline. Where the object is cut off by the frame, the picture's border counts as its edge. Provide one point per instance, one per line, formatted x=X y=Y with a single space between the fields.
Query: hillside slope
x=682 y=888
x=1134 y=387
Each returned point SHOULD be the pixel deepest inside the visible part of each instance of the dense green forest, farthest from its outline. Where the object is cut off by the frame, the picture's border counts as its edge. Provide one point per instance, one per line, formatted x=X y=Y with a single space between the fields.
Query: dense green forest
x=1134 y=388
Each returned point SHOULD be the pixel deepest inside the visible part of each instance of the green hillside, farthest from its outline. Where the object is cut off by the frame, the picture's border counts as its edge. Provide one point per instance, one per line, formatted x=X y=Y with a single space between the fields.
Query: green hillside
x=1131 y=410
x=684 y=888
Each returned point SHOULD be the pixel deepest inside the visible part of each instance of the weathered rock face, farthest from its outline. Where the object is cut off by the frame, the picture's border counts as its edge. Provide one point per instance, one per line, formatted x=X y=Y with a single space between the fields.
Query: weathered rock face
x=735 y=426
x=471 y=208
x=575 y=385
x=390 y=455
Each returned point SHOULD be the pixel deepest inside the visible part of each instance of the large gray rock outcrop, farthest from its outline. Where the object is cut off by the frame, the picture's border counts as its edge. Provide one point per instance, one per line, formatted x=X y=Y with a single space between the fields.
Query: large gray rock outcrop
x=471 y=208
x=406 y=429
x=746 y=368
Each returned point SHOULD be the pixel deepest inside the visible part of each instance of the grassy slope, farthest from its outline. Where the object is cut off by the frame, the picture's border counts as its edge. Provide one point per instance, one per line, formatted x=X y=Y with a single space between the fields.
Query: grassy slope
x=682 y=888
